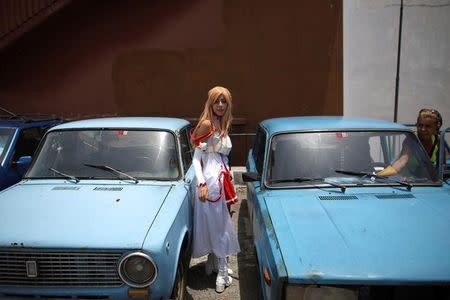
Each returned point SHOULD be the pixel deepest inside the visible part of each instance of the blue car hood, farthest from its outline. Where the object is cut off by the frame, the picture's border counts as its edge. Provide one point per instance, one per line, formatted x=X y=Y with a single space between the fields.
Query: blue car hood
x=80 y=216
x=363 y=238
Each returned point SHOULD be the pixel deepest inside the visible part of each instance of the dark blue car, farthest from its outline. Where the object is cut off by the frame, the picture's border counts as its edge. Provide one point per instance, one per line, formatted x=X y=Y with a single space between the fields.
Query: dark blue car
x=19 y=138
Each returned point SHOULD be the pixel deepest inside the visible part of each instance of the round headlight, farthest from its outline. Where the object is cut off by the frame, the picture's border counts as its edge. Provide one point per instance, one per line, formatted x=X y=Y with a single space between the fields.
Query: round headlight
x=137 y=269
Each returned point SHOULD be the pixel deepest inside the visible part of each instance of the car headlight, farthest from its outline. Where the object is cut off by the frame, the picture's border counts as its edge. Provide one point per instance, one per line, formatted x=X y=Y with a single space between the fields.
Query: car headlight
x=137 y=269
x=300 y=292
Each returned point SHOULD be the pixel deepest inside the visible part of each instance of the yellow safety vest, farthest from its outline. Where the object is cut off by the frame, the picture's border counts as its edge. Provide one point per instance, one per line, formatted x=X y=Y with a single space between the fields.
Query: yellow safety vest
x=435 y=152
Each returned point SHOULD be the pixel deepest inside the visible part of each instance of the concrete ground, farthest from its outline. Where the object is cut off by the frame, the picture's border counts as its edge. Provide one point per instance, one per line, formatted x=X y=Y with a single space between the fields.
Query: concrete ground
x=245 y=284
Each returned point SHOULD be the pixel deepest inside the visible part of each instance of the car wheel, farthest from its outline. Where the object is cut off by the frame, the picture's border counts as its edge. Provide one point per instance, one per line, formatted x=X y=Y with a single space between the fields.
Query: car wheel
x=179 y=287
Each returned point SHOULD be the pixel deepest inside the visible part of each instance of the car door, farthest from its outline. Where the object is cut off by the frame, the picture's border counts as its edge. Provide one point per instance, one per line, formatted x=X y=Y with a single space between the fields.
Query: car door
x=186 y=150
x=444 y=155
x=255 y=163
x=26 y=143
x=7 y=138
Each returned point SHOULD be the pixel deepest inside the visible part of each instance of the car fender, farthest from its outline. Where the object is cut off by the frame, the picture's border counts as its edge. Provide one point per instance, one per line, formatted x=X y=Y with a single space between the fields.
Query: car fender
x=177 y=211
x=269 y=256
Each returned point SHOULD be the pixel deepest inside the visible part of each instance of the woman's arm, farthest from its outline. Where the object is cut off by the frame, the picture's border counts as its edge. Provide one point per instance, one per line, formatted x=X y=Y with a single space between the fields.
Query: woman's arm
x=201 y=131
x=201 y=183
x=397 y=165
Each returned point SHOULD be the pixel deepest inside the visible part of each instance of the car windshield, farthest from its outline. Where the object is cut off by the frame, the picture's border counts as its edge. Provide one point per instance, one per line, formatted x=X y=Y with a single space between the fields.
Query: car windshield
x=107 y=154
x=353 y=154
x=6 y=135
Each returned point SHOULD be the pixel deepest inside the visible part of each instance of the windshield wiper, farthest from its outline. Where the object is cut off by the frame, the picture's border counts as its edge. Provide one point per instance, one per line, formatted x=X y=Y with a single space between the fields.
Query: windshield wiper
x=305 y=179
x=65 y=175
x=111 y=169
x=364 y=174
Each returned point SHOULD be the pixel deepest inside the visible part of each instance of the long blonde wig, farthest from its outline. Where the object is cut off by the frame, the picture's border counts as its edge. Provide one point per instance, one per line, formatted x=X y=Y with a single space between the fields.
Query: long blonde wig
x=208 y=114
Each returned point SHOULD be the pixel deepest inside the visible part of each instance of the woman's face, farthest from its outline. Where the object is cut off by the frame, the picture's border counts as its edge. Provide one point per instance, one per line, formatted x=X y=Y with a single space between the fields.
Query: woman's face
x=426 y=127
x=220 y=106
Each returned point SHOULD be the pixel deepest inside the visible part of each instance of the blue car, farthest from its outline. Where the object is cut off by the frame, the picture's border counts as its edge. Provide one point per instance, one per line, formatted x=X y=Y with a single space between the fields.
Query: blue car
x=19 y=139
x=326 y=226
x=104 y=212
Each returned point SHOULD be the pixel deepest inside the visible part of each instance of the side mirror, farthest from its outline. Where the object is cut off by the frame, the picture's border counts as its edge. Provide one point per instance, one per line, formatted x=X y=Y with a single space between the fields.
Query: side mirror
x=22 y=161
x=22 y=164
x=250 y=176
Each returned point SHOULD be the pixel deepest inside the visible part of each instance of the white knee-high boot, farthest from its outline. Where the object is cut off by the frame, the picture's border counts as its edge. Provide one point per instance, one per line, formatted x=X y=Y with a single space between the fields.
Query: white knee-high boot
x=223 y=279
x=212 y=265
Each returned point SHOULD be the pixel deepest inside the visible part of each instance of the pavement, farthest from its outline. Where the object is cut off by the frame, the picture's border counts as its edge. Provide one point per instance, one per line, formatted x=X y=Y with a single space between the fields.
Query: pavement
x=245 y=280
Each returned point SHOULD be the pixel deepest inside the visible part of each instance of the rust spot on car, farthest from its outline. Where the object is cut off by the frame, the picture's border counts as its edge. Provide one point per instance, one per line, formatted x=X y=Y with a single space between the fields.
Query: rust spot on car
x=269 y=227
x=15 y=244
x=314 y=275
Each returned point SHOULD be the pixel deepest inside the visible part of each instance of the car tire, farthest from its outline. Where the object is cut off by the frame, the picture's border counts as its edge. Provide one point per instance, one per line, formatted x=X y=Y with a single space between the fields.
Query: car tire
x=179 y=286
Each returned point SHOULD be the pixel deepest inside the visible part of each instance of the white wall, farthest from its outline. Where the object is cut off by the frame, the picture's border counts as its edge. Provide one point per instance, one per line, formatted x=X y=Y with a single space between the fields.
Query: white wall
x=370 y=58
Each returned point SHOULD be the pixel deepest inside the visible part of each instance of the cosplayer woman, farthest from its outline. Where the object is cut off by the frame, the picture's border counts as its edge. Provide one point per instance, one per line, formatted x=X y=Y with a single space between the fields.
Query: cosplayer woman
x=213 y=231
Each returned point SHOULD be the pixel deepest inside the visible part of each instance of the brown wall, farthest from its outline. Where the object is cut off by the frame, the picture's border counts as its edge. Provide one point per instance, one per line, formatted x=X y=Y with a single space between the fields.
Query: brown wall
x=19 y=16
x=160 y=57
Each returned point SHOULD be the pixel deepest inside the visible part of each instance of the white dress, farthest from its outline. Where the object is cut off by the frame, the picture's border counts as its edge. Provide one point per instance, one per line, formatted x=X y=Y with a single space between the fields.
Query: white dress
x=213 y=230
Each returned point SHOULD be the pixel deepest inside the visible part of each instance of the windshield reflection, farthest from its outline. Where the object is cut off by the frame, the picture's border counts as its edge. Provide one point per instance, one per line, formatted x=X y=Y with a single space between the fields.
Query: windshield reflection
x=132 y=153
x=320 y=154
x=6 y=135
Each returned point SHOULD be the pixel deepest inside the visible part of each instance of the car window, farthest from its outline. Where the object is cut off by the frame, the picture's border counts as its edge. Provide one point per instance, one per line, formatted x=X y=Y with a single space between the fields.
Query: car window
x=320 y=154
x=28 y=142
x=259 y=149
x=142 y=154
x=6 y=135
x=186 y=148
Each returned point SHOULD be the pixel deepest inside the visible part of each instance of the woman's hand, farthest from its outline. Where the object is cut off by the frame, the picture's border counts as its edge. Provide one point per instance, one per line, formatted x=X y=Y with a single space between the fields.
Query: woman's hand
x=203 y=193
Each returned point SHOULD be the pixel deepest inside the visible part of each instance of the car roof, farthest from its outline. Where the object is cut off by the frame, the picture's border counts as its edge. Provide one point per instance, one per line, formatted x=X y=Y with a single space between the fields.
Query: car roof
x=171 y=124
x=291 y=124
x=25 y=123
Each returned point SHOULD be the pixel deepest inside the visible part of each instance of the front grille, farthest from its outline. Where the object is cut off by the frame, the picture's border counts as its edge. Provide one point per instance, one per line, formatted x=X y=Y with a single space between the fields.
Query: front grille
x=59 y=268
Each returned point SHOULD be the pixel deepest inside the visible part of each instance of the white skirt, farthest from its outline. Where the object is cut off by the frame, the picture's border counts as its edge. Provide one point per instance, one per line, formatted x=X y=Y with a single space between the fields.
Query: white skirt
x=213 y=229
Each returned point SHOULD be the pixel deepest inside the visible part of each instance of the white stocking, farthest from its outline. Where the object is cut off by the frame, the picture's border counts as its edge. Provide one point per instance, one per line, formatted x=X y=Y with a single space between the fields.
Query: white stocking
x=222 y=264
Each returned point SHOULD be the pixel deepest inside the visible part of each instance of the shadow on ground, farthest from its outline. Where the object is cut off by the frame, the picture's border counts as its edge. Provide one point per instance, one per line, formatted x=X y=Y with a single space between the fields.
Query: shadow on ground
x=246 y=259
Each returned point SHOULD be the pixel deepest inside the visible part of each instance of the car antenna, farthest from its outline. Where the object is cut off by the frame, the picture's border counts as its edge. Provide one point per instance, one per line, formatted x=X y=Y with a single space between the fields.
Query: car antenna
x=13 y=115
x=8 y=112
